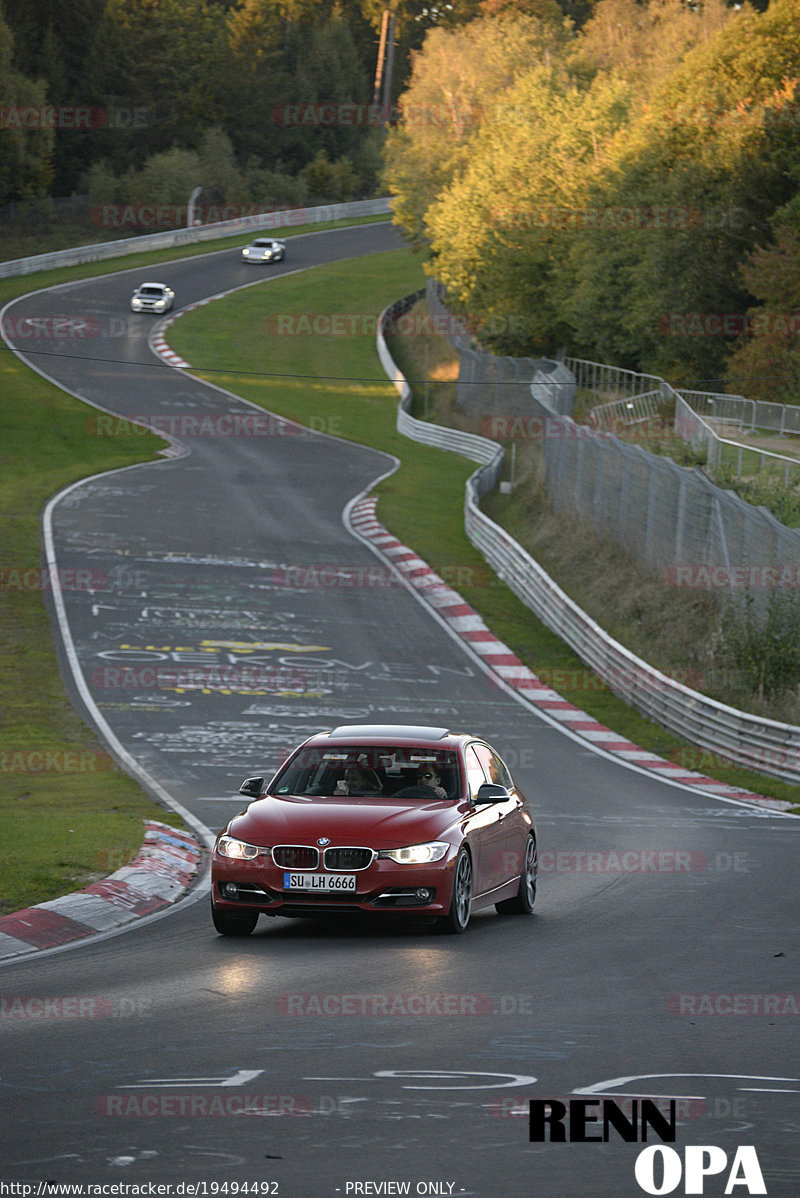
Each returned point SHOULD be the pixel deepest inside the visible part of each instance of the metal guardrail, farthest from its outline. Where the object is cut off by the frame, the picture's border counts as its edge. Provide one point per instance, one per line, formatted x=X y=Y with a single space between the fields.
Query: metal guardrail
x=468 y=445
x=780 y=418
x=599 y=376
x=692 y=427
x=191 y=236
x=765 y=746
x=623 y=412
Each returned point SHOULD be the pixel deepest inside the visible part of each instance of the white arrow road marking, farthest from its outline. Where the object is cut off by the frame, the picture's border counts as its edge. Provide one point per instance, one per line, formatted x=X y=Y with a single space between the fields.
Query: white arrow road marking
x=603 y=1087
x=236 y=1079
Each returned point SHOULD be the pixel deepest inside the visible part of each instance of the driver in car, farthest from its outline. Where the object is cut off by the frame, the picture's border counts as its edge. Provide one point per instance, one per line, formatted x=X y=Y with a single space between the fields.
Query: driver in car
x=429 y=776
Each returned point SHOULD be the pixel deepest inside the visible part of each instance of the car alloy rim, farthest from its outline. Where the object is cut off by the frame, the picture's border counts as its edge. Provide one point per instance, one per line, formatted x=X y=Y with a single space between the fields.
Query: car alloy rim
x=463 y=889
x=531 y=869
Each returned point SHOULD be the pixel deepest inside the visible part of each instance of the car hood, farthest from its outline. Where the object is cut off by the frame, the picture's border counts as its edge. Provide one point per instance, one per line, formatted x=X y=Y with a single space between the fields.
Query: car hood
x=374 y=823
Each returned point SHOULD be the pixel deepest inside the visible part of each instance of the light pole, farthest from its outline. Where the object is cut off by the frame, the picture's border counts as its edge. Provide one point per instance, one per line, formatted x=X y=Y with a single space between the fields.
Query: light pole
x=190 y=209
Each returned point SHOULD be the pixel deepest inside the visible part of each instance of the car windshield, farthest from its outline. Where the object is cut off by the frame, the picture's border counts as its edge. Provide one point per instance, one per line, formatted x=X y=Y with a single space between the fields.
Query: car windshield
x=376 y=770
x=151 y=290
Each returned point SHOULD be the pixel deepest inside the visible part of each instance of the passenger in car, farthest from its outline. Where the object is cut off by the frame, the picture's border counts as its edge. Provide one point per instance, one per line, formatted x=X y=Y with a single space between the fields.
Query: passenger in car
x=358 y=780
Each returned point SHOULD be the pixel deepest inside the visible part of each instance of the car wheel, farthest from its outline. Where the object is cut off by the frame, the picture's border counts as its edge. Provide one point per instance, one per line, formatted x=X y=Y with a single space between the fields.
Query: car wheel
x=234 y=925
x=523 y=901
x=457 y=917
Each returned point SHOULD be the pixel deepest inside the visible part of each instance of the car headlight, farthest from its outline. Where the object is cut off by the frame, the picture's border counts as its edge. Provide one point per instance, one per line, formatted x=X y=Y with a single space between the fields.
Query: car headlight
x=160 y=303
x=239 y=850
x=136 y=303
x=417 y=854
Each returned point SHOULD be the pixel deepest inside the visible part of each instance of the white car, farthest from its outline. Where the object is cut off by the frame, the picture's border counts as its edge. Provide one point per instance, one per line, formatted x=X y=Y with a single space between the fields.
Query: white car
x=264 y=249
x=152 y=297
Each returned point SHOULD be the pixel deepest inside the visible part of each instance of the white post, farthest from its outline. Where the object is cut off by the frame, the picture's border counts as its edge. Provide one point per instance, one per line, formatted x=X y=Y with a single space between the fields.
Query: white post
x=190 y=209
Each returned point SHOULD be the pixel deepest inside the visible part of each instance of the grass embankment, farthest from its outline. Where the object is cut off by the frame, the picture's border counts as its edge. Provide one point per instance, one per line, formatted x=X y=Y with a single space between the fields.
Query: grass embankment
x=335 y=383
x=67 y=814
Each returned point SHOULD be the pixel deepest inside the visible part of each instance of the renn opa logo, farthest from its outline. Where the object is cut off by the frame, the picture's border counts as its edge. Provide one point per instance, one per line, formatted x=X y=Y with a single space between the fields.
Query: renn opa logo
x=658 y=1170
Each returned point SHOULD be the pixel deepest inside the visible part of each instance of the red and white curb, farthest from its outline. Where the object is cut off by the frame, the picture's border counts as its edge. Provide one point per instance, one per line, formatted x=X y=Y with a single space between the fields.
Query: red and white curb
x=158 y=340
x=157 y=877
x=469 y=626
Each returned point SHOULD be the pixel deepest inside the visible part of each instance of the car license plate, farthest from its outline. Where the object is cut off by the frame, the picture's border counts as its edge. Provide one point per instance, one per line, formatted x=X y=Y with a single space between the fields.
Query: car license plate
x=326 y=882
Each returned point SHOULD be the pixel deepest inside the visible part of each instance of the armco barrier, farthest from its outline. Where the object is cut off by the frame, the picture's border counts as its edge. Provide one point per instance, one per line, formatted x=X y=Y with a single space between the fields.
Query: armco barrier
x=765 y=746
x=191 y=236
x=469 y=445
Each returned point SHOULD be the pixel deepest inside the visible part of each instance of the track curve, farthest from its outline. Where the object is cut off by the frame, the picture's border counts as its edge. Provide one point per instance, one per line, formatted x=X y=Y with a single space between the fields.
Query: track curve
x=586 y=996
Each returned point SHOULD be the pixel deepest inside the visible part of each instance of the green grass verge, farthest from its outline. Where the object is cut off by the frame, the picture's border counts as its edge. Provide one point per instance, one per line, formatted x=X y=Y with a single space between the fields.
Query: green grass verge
x=67 y=815
x=334 y=383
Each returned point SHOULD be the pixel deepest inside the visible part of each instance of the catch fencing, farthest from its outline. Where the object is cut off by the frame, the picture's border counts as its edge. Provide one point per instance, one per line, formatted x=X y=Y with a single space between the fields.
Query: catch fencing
x=673 y=519
x=491 y=385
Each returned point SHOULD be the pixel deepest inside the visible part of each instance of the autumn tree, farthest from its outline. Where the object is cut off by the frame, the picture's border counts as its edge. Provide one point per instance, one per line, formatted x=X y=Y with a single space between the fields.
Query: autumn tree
x=457 y=77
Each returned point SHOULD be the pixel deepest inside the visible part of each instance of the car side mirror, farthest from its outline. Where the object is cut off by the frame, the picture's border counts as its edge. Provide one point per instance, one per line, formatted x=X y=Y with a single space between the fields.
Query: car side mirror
x=491 y=792
x=253 y=788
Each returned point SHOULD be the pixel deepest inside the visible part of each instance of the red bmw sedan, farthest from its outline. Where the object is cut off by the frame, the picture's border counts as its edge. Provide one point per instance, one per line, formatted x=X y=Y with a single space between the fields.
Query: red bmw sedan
x=384 y=819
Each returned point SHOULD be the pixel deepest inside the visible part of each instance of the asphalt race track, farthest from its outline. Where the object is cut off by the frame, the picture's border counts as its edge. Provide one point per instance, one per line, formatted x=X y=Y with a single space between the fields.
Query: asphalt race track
x=220 y=1063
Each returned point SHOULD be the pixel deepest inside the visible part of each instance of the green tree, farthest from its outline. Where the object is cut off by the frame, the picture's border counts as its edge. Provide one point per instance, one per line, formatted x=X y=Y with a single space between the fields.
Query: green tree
x=26 y=168
x=710 y=154
x=166 y=178
x=765 y=363
x=166 y=57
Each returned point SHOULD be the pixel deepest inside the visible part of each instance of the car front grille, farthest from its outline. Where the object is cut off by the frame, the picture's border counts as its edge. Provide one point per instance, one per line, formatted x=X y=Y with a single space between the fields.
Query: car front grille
x=295 y=856
x=347 y=858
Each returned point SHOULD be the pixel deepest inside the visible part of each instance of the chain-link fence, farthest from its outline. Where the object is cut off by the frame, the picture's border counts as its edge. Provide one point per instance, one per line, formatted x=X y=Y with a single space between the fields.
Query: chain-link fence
x=490 y=385
x=674 y=519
